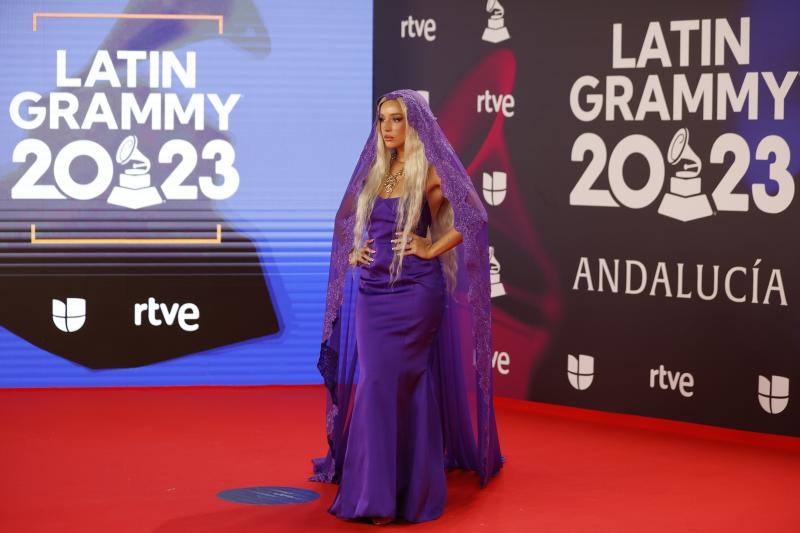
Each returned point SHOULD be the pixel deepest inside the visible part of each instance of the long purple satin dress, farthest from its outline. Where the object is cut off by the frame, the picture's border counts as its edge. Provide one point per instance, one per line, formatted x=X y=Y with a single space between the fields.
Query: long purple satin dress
x=394 y=464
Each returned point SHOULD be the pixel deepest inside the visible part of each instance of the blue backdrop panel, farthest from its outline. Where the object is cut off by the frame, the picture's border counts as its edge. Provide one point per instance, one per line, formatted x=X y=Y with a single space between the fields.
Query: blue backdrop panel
x=117 y=293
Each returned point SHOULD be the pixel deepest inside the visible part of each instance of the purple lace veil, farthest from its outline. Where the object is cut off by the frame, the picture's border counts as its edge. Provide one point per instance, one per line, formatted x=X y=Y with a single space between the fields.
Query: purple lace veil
x=462 y=350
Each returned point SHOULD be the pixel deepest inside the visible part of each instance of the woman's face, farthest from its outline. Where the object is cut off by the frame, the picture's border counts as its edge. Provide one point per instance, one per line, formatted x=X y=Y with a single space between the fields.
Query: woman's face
x=392 y=123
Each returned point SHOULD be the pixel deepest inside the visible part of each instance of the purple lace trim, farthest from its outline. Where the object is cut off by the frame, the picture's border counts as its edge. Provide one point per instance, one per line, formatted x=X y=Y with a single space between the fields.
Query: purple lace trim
x=327 y=364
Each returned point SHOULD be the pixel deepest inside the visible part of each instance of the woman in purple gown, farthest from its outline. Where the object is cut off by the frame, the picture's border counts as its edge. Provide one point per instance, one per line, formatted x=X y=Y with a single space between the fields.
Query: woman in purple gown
x=408 y=329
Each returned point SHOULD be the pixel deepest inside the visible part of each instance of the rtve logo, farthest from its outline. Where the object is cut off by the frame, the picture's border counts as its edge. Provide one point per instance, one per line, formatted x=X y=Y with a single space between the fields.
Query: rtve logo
x=682 y=381
x=580 y=371
x=413 y=28
x=184 y=313
x=69 y=316
x=501 y=361
x=773 y=394
x=496 y=103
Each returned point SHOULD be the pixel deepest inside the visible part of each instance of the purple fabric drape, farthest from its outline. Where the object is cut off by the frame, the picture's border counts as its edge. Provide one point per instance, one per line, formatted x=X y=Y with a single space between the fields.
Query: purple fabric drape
x=463 y=348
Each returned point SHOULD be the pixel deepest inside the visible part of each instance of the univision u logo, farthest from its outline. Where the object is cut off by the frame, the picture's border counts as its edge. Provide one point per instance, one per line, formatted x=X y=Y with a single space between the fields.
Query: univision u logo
x=69 y=316
x=580 y=371
x=773 y=394
x=494 y=187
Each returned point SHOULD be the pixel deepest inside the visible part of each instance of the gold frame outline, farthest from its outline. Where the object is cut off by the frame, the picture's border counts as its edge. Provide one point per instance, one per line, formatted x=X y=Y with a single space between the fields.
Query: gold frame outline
x=136 y=16
x=156 y=240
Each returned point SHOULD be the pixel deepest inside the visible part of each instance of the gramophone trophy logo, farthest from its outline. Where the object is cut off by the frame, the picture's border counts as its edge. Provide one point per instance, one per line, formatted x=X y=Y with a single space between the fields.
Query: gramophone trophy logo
x=497 y=287
x=684 y=201
x=134 y=190
x=495 y=31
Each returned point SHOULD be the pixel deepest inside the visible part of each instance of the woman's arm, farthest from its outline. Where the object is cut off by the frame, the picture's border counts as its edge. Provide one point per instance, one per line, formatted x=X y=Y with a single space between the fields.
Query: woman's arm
x=433 y=190
x=445 y=242
x=421 y=246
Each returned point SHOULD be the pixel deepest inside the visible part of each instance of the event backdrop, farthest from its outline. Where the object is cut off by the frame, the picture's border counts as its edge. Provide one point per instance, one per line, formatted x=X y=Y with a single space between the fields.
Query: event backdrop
x=638 y=163
x=169 y=173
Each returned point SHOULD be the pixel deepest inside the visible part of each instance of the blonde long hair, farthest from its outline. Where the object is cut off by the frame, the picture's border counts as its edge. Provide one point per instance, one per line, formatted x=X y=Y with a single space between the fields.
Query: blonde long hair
x=409 y=205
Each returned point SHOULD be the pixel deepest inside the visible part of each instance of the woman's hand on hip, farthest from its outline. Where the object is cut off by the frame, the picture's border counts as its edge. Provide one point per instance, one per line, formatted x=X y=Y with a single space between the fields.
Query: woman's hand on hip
x=416 y=245
x=361 y=256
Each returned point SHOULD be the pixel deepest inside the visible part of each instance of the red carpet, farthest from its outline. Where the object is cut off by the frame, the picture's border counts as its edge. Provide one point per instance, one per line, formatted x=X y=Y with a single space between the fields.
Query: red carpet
x=153 y=460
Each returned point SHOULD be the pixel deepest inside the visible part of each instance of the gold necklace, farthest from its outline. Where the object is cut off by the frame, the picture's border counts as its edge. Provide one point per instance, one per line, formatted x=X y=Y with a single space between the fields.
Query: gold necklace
x=391 y=179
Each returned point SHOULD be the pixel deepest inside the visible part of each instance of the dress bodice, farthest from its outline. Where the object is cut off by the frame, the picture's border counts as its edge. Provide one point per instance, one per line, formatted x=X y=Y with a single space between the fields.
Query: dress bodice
x=381 y=228
x=382 y=220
